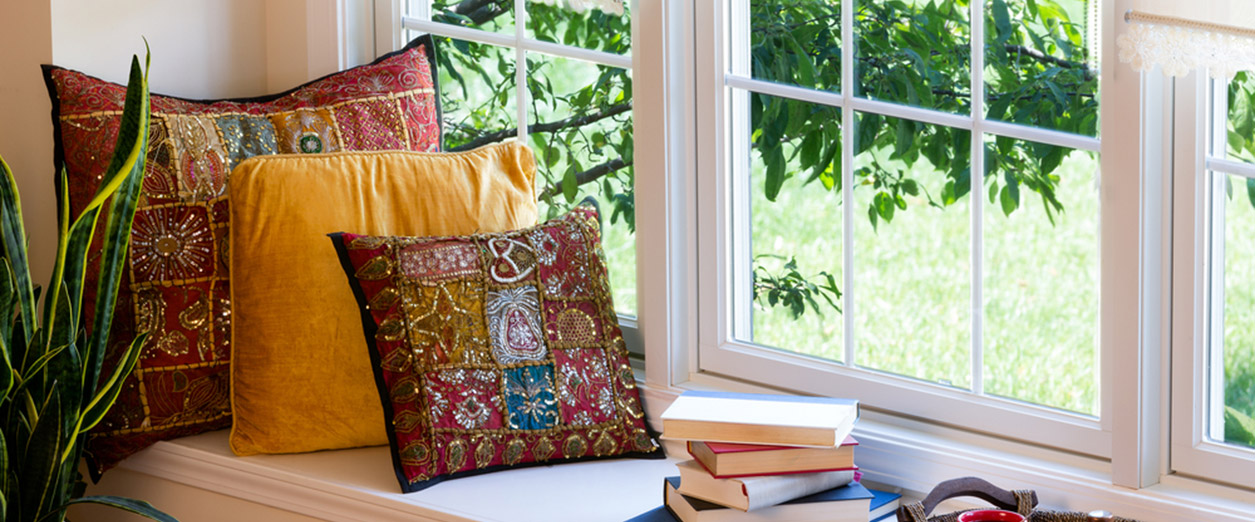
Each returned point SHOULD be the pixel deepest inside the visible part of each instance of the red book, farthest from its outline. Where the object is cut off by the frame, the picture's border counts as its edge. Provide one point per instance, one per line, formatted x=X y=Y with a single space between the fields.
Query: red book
x=726 y=460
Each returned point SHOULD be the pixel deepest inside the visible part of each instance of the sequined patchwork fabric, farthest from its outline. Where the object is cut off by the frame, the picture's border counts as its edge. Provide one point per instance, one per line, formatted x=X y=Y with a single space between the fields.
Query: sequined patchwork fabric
x=178 y=287
x=481 y=365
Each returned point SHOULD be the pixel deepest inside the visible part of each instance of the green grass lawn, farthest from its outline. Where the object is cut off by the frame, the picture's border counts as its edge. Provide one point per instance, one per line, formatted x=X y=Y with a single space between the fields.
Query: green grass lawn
x=912 y=286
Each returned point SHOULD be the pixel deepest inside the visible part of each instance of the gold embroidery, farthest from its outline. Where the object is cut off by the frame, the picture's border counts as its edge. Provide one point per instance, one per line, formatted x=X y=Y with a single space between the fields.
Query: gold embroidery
x=391 y=330
x=574 y=446
x=367 y=242
x=513 y=453
x=455 y=455
x=377 y=268
x=484 y=453
x=605 y=445
x=544 y=449
x=407 y=421
x=384 y=299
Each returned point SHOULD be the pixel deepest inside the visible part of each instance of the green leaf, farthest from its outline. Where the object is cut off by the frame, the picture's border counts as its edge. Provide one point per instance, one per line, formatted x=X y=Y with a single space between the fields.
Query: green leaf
x=905 y=137
x=40 y=483
x=910 y=187
x=13 y=236
x=139 y=507
x=1010 y=198
x=1250 y=190
x=104 y=399
x=811 y=149
x=128 y=160
x=775 y=172
x=1002 y=21
x=1060 y=97
x=570 y=184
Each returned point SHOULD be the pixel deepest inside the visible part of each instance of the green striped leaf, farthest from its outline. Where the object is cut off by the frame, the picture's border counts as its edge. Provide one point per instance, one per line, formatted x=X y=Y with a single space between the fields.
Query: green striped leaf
x=123 y=186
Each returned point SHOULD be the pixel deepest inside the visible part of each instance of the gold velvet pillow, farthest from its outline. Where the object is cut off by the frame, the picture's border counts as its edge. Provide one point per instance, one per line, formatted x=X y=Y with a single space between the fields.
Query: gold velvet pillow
x=301 y=378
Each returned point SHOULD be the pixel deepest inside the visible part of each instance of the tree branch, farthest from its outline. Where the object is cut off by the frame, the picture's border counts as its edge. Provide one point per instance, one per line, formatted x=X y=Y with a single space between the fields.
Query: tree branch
x=587 y=176
x=574 y=121
x=1043 y=57
x=479 y=11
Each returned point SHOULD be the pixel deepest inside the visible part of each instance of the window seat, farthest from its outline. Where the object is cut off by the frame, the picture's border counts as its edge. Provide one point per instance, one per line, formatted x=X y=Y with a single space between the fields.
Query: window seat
x=198 y=478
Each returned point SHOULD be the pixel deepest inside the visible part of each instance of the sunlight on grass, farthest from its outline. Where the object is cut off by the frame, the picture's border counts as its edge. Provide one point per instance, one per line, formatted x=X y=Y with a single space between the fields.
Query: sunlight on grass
x=912 y=285
x=1239 y=297
x=1041 y=295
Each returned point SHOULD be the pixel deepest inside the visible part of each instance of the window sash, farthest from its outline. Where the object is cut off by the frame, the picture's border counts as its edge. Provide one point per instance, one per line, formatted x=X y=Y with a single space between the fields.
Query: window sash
x=1199 y=130
x=721 y=275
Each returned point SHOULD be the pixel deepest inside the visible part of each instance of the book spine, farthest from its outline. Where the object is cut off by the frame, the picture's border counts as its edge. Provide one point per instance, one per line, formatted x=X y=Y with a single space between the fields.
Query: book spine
x=769 y=491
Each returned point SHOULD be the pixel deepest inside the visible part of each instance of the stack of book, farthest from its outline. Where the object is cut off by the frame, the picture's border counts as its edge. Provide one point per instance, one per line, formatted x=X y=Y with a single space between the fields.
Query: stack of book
x=767 y=457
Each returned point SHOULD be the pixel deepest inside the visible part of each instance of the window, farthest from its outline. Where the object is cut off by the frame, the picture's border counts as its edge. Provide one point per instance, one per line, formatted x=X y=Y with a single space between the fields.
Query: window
x=935 y=291
x=1213 y=309
x=565 y=73
x=971 y=275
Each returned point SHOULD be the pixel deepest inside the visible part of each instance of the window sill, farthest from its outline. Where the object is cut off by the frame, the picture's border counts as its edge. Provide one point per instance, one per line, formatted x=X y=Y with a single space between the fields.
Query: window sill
x=358 y=484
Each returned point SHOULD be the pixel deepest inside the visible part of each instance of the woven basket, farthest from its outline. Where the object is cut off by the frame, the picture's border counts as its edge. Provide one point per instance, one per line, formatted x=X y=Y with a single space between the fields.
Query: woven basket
x=1021 y=501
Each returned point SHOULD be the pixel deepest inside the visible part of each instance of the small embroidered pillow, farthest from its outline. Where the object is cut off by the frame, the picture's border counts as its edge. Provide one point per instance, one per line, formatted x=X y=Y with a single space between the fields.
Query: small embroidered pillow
x=496 y=350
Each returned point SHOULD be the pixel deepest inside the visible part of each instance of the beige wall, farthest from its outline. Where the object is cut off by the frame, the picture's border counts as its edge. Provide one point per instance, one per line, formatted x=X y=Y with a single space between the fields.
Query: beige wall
x=25 y=124
x=200 y=49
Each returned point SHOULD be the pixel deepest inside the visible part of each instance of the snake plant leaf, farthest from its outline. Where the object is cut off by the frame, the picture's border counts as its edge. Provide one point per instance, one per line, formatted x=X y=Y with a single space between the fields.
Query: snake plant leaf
x=54 y=321
x=75 y=255
x=6 y=369
x=36 y=367
x=43 y=457
x=62 y=334
x=103 y=400
x=139 y=507
x=4 y=473
x=8 y=297
x=13 y=238
x=132 y=137
x=13 y=508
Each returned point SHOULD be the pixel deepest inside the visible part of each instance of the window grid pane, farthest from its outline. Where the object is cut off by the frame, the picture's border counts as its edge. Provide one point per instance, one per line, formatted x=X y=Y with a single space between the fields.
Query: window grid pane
x=892 y=330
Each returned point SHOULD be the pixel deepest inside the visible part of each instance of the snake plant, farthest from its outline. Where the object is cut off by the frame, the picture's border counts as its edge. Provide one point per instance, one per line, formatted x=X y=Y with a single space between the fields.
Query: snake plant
x=51 y=378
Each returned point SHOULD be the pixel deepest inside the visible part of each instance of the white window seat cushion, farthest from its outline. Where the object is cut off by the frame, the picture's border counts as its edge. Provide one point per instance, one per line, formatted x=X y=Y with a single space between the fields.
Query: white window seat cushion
x=198 y=478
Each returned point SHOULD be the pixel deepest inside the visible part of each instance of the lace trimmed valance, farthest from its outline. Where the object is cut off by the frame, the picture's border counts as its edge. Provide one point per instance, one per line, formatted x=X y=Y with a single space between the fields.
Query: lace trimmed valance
x=1180 y=46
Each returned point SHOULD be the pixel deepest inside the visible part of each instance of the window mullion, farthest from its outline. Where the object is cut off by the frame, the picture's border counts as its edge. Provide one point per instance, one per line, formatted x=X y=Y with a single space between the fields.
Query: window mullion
x=1213 y=403
x=741 y=165
x=848 y=134
x=977 y=206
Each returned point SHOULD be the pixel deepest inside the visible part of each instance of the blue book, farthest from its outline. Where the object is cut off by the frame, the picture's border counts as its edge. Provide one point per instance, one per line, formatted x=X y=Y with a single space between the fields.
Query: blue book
x=884 y=504
x=850 y=503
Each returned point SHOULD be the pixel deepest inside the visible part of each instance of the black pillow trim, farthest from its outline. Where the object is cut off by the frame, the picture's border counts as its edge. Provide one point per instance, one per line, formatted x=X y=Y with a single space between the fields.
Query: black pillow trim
x=58 y=148
x=370 y=328
x=376 y=368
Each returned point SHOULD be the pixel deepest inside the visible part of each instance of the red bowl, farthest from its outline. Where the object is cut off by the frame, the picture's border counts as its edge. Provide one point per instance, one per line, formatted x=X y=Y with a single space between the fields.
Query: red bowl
x=991 y=515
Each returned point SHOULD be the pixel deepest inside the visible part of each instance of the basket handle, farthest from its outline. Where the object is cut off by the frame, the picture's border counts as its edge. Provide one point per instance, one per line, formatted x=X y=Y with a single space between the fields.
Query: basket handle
x=1022 y=502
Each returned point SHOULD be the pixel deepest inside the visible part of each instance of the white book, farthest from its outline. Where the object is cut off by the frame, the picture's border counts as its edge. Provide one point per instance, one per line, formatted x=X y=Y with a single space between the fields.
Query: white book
x=751 y=493
x=750 y=418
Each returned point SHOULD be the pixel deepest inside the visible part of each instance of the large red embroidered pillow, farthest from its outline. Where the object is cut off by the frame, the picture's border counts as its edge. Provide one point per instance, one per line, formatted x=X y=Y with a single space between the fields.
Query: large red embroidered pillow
x=178 y=288
x=496 y=350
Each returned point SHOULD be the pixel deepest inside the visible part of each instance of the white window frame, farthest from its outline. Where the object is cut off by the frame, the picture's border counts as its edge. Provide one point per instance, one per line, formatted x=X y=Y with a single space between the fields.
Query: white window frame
x=721 y=353
x=1199 y=130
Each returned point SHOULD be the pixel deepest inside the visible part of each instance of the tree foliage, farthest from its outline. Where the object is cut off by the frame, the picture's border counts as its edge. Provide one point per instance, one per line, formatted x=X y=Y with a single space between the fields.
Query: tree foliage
x=1037 y=69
